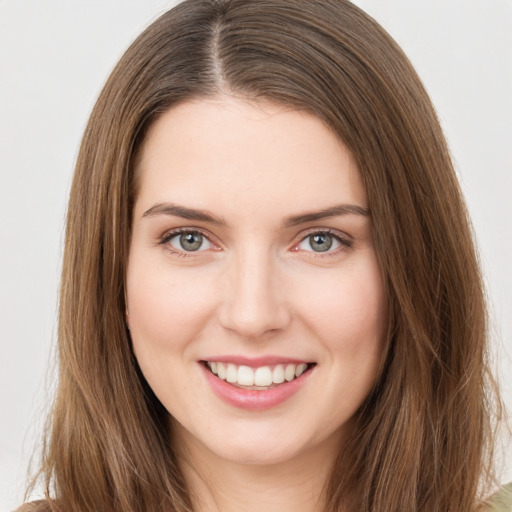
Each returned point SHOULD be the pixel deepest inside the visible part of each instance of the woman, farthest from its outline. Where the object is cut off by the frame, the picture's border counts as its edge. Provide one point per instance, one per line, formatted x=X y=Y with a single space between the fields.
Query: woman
x=270 y=294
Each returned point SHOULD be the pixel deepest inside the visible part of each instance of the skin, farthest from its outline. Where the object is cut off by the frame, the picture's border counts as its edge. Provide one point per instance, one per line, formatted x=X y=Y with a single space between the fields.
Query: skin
x=254 y=288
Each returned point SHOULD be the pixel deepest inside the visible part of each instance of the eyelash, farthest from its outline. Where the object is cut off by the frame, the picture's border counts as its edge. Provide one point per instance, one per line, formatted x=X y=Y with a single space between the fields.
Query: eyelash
x=345 y=242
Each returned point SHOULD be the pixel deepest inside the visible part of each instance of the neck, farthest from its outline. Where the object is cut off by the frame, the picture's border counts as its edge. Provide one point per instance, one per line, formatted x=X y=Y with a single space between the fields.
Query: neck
x=219 y=485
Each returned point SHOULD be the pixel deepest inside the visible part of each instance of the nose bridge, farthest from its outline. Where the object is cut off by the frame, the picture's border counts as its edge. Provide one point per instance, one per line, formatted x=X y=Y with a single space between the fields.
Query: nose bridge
x=254 y=302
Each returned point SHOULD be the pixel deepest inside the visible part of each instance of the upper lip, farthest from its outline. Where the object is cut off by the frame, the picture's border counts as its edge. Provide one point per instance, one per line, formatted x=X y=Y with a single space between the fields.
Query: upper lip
x=255 y=362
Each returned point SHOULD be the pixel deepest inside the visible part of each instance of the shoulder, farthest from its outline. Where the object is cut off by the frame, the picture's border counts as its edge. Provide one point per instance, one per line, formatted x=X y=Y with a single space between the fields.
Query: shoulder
x=502 y=500
x=35 y=506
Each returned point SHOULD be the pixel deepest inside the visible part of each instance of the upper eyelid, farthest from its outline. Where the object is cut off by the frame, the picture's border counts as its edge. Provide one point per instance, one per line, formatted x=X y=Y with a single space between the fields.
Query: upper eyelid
x=335 y=232
x=176 y=231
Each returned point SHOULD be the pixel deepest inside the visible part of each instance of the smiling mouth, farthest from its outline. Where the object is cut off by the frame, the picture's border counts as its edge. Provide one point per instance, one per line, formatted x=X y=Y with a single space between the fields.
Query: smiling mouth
x=260 y=378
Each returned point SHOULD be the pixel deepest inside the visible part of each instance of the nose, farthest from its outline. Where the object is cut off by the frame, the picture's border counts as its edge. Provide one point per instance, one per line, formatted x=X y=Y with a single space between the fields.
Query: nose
x=254 y=303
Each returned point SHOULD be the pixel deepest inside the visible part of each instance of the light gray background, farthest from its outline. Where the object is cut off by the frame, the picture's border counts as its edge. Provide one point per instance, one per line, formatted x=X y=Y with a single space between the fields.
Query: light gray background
x=55 y=56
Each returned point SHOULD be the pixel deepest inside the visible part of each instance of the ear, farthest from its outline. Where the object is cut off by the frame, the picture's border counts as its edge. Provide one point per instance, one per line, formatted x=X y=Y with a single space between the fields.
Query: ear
x=127 y=319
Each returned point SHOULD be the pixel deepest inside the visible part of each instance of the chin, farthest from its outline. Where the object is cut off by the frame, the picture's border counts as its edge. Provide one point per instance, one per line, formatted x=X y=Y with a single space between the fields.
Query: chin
x=264 y=446
x=256 y=454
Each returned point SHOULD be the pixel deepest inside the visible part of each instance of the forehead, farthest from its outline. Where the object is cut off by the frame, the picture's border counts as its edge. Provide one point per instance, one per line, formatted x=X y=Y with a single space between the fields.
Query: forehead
x=223 y=150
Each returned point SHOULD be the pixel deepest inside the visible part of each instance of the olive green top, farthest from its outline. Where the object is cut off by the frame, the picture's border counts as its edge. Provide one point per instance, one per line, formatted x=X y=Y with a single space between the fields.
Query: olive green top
x=502 y=500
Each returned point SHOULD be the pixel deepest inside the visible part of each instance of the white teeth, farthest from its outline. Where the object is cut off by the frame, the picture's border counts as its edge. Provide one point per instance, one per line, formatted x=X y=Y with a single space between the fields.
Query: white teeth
x=231 y=373
x=221 y=371
x=300 y=369
x=278 y=374
x=289 y=373
x=262 y=377
x=245 y=376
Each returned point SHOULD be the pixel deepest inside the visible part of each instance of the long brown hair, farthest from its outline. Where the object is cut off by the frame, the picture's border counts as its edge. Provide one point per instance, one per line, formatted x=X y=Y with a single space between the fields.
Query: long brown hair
x=423 y=437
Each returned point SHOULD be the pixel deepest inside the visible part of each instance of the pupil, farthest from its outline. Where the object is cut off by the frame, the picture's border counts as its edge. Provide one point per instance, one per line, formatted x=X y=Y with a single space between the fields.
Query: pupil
x=191 y=241
x=321 y=242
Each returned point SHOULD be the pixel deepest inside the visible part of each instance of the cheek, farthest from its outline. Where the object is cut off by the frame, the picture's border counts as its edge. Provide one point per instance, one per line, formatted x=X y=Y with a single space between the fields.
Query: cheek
x=166 y=308
x=349 y=307
x=167 y=313
x=348 y=314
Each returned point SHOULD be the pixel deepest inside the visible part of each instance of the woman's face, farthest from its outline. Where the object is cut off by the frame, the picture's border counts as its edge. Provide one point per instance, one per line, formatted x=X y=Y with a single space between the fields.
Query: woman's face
x=254 y=298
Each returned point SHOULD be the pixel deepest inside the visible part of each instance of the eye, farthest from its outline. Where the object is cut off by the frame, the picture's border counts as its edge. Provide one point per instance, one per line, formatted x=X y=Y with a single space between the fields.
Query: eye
x=321 y=241
x=189 y=241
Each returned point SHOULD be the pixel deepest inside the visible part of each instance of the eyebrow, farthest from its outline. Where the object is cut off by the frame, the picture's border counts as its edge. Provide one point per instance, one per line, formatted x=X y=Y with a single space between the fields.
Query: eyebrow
x=334 y=211
x=184 y=213
x=295 y=220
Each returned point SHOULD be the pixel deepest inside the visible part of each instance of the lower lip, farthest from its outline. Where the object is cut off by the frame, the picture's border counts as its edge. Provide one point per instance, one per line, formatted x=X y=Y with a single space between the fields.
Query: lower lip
x=252 y=399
